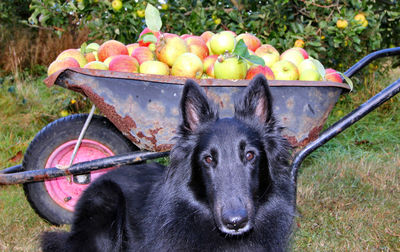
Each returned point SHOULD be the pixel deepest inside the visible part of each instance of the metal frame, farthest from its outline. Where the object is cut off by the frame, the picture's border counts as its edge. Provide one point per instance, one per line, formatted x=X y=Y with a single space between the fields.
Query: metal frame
x=354 y=115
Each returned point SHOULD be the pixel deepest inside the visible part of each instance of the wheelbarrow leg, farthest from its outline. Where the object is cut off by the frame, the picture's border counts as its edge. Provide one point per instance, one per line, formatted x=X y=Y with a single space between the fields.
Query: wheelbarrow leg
x=344 y=123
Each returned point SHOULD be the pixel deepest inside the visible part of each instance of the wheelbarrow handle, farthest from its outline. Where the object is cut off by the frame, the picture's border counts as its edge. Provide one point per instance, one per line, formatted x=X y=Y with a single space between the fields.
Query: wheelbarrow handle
x=344 y=123
x=78 y=168
x=370 y=57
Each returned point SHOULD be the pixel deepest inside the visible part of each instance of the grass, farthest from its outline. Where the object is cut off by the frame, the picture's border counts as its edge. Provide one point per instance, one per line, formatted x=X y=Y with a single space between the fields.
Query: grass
x=348 y=190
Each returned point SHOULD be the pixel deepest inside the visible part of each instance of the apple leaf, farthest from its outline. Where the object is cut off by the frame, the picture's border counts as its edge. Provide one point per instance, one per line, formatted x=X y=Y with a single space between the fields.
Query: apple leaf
x=153 y=19
x=149 y=37
x=256 y=60
x=242 y=51
x=348 y=80
x=320 y=67
x=147 y=33
x=83 y=48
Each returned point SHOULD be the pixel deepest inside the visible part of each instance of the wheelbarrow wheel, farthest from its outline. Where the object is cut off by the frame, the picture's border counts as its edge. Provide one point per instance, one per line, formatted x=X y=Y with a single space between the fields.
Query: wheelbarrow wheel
x=54 y=199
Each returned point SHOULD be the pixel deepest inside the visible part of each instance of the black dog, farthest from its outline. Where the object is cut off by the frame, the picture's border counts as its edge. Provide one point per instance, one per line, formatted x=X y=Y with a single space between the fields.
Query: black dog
x=227 y=188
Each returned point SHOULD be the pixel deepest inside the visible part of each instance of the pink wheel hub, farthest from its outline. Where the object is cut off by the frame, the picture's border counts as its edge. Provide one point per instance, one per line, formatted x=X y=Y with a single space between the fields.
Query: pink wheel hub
x=63 y=190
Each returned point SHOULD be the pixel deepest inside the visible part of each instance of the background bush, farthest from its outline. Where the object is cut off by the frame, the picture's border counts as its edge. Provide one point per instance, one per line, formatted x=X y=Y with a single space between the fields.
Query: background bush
x=279 y=23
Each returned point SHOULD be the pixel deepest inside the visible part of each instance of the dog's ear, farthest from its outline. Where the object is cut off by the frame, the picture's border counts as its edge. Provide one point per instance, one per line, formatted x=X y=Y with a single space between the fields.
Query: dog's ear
x=255 y=101
x=196 y=108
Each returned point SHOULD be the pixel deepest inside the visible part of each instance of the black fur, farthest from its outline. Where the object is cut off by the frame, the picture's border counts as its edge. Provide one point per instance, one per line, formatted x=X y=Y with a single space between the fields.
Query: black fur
x=227 y=188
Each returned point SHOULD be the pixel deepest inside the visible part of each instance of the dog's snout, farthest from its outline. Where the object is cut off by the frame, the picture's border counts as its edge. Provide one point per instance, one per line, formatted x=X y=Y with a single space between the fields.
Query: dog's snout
x=235 y=219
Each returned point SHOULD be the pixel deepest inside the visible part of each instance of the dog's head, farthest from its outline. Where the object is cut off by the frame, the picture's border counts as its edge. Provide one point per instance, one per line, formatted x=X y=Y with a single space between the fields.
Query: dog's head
x=234 y=161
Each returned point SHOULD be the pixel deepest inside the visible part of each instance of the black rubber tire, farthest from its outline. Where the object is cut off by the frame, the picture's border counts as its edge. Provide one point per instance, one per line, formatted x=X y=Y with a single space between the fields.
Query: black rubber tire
x=48 y=139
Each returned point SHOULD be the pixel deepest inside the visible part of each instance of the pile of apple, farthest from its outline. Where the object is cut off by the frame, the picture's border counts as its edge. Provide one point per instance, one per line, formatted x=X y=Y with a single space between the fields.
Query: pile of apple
x=206 y=56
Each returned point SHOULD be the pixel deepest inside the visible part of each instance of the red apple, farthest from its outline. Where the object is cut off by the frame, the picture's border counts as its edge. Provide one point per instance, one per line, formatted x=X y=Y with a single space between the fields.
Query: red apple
x=269 y=54
x=208 y=65
x=62 y=64
x=74 y=53
x=304 y=52
x=285 y=70
x=230 y=68
x=251 y=41
x=185 y=36
x=108 y=60
x=257 y=69
x=154 y=67
x=111 y=47
x=222 y=42
x=96 y=65
x=188 y=65
x=147 y=30
x=168 y=35
x=132 y=47
x=206 y=36
x=332 y=75
x=124 y=63
x=197 y=46
x=143 y=54
x=170 y=48
x=293 y=55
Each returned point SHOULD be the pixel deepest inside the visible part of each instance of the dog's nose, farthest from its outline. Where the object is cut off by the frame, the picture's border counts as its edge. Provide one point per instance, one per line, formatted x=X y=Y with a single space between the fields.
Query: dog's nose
x=235 y=219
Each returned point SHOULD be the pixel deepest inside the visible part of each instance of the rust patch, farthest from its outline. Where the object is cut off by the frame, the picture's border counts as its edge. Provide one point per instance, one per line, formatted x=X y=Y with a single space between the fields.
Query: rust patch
x=313 y=134
x=123 y=124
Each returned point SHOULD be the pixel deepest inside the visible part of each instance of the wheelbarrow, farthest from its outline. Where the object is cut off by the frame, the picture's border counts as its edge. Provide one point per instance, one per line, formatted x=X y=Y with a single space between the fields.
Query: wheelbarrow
x=140 y=116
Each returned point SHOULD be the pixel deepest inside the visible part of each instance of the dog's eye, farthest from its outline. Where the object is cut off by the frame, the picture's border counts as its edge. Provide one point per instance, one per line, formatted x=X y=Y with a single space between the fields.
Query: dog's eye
x=208 y=159
x=249 y=155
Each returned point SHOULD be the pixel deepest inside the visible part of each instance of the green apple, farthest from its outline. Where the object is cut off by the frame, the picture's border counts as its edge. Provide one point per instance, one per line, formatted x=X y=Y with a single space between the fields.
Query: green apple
x=230 y=68
x=307 y=64
x=222 y=42
x=285 y=70
x=310 y=75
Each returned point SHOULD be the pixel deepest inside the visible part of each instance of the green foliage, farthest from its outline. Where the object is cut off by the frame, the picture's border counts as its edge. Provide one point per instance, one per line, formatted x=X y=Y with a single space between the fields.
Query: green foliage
x=12 y=11
x=279 y=23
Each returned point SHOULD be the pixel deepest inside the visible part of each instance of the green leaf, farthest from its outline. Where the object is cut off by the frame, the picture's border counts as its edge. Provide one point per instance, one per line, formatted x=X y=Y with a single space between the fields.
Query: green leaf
x=83 y=48
x=241 y=49
x=320 y=67
x=149 y=38
x=256 y=60
x=314 y=43
x=348 y=80
x=242 y=52
x=153 y=19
